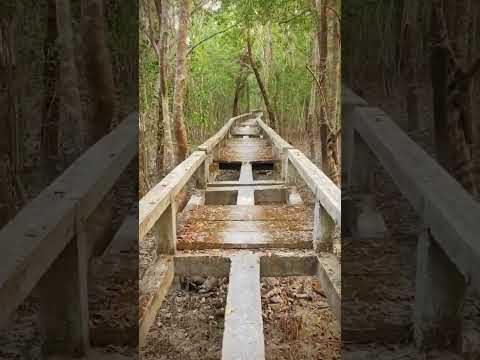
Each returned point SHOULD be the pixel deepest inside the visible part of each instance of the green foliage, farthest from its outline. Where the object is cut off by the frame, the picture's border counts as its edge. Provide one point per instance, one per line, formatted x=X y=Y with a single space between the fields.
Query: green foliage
x=215 y=64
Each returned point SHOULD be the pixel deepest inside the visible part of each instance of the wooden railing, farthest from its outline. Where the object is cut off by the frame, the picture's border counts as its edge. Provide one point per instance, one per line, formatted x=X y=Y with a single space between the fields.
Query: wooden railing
x=327 y=211
x=46 y=246
x=448 y=254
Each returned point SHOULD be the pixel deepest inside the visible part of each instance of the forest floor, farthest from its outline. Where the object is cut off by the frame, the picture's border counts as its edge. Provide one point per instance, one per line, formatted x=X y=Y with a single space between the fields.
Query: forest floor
x=189 y=325
x=379 y=275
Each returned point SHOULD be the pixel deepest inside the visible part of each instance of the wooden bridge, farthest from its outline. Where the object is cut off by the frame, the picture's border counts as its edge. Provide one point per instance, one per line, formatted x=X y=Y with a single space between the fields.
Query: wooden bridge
x=46 y=249
x=448 y=250
x=258 y=224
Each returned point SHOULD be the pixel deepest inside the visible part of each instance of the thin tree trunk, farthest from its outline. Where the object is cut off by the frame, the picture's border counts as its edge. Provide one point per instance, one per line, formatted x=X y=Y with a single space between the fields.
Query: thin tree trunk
x=165 y=150
x=99 y=70
x=71 y=126
x=271 y=114
x=411 y=47
x=7 y=122
x=50 y=114
x=322 y=38
x=451 y=119
x=240 y=85
x=180 y=81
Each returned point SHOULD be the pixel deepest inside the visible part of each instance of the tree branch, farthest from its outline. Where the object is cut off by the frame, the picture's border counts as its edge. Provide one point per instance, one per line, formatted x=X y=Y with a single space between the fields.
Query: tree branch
x=210 y=37
x=463 y=77
x=294 y=17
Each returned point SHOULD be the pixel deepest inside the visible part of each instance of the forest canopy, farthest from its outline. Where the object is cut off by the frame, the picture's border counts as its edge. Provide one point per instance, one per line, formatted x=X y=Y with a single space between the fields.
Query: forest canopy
x=222 y=76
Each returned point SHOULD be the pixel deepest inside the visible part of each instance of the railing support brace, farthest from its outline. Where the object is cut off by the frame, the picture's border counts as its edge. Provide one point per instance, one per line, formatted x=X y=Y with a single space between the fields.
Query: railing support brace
x=439 y=296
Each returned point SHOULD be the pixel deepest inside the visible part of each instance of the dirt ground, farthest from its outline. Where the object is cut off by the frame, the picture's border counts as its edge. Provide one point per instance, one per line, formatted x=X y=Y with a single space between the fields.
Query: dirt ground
x=297 y=320
x=189 y=325
x=298 y=323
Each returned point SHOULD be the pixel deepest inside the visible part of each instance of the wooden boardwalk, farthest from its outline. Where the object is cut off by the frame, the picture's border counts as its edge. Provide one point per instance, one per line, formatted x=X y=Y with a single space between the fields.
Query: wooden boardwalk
x=229 y=225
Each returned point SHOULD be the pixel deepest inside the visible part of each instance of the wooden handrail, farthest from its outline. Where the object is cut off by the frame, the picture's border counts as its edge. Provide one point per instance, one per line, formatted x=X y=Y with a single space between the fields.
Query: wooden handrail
x=34 y=238
x=156 y=201
x=450 y=213
x=320 y=184
x=322 y=187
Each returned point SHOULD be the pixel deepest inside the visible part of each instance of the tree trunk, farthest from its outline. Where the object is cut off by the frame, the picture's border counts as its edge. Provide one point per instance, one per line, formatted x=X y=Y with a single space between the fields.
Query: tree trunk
x=71 y=126
x=180 y=81
x=240 y=85
x=452 y=128
x=310 y=124
x=7 y=122
x=50 y=114
x=411 y=54
x=271 y=114
x=165 y=150
x=322 y=38
x=99 y=70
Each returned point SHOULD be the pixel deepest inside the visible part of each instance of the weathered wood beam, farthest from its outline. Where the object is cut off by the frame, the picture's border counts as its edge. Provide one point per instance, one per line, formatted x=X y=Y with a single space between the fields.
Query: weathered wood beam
x=156 y=201
x=329 y=273
x=324 y=189
x=237 y=183
x=154 y=286
x=444 y=206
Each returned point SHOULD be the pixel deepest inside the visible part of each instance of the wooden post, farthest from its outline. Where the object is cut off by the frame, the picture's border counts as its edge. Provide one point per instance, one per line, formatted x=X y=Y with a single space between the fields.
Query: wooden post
x=290 y=174
x=439 y=296
x=323 y=227
x=165 y=231
x=202 y=175
x=64 y=302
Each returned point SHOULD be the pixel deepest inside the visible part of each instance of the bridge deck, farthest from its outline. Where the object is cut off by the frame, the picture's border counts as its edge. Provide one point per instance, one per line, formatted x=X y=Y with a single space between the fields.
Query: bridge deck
x=243 y=224
x=243 y=229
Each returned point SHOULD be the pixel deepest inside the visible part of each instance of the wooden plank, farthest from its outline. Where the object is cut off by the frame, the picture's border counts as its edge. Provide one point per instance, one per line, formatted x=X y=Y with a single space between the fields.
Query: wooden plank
x=35 y=237
x=329 y=273
x=154 y=286
x=324 y=189
x=245 y=131
x=243 y=335
x=246 y=196
x=444 y=206
x=201 y=265
x=156 y=201
x=288 y=265
x=247 y=187
x=276 y=212
x=237 y=183
x=247 y=240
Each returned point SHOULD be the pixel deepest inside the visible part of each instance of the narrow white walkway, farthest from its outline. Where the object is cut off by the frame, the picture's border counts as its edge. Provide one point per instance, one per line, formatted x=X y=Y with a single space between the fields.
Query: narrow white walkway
x=246 y=196
x=243 y=335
